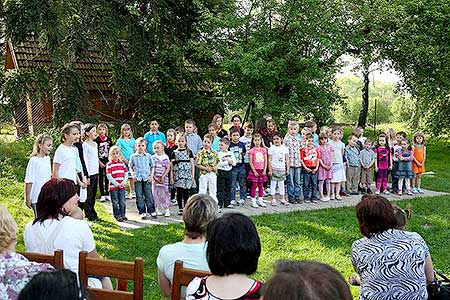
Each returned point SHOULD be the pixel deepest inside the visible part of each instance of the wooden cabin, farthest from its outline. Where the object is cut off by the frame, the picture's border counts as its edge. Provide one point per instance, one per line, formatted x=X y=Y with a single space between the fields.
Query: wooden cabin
x=32 y=116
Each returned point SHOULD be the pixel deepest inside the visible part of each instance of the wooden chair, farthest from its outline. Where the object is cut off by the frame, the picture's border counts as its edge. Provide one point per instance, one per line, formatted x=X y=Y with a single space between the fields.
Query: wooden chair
x=121 y=270
x=182 y=277
x=55 y=260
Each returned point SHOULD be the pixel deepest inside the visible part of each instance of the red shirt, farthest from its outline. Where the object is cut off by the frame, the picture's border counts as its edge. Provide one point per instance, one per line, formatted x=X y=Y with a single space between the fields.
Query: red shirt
x=117 y=169
x=310 y=156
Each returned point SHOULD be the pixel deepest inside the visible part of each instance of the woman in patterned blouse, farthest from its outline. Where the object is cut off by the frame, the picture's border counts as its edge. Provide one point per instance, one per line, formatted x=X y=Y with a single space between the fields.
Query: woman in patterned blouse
x=392 y=263
x=15 y=269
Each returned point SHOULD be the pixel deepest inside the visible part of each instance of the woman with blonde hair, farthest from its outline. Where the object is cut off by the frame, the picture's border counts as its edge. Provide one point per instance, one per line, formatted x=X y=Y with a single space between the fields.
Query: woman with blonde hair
x=15 y=270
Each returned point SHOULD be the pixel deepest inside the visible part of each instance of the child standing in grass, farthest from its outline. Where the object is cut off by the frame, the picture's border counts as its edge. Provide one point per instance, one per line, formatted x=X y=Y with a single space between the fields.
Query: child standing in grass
x=117 y=174
x=126 y=143
x=39 y=170
x=258 y=168
x=325 y=173
x=404 y=172
x=66 y=156
x=182 y=174
x=90 y=153
x=141 y=166
x=420 y=155
x=160 y=179
x=104 y=143
x=383 y=163
x=278 y=168
x=207 y=161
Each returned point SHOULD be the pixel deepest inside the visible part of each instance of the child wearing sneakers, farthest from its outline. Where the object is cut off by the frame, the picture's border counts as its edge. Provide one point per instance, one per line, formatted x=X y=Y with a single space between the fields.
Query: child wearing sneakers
x=141 y=166
x=238 y=171
x=292 y=142
x=160 y=179
x=278 y=168
x=207 y=161
x=224 y=169
x=353 y=171
x=117 y=174
x=310 y=157
x=367 y=162
x=257 y=174
x=404 y=171
x=383 y=163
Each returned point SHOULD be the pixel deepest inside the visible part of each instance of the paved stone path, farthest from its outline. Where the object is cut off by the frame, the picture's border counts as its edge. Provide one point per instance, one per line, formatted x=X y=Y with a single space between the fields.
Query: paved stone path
x=134 y=220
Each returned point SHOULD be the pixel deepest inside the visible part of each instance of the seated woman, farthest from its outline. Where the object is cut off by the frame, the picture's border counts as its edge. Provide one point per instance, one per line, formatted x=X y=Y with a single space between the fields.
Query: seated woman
x=307 y=280
x=199 y=211
x=55 y=285
x=232 y=252
x=392 y=263
x=15 y=269
x=54 y=228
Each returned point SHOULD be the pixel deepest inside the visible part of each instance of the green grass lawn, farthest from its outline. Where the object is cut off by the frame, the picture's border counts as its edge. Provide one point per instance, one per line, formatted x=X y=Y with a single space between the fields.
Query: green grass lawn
x=323 y=235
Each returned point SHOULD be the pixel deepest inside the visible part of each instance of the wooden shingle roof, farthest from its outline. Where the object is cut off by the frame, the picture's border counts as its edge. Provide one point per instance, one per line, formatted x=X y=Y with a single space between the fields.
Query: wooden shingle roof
x=94 y=69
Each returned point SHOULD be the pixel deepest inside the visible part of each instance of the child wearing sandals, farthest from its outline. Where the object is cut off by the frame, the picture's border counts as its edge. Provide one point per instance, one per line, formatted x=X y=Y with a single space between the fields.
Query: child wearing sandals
x=325 y=173
x=420 y=155
x=278 y=168
x=404 y=171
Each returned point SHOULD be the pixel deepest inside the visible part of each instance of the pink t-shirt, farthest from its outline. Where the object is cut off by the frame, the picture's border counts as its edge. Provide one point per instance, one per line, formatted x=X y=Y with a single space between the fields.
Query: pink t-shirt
x=258 y=156
x=382 y=157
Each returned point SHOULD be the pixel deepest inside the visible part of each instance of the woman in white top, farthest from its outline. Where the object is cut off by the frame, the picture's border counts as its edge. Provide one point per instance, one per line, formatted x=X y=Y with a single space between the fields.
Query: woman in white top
x=39 y=170
x=200 y=209
x=54 y=228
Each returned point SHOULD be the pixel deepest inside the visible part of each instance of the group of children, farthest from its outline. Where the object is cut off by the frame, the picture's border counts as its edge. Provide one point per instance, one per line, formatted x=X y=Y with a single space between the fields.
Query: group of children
x=160 y=168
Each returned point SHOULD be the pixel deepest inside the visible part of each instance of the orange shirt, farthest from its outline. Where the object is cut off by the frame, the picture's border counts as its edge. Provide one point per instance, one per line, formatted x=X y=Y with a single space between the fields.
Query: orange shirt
x=310 y=156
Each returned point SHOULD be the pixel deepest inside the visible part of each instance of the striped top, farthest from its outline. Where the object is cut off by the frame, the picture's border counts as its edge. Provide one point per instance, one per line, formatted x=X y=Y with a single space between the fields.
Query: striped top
x=118 y=171
x=391 y=265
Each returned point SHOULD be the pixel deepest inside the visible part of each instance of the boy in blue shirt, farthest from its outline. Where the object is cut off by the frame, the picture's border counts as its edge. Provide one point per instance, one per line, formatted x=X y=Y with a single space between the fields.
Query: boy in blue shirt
x=154 y=135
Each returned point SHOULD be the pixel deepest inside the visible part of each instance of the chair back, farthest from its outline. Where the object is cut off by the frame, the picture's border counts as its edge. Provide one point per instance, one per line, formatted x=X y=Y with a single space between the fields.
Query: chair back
x=56 y=259
x=182 y=277
x=121 y=270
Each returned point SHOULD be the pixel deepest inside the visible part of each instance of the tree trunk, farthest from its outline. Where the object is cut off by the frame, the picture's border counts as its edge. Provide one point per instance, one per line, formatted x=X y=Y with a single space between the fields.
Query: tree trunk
x=362 y=119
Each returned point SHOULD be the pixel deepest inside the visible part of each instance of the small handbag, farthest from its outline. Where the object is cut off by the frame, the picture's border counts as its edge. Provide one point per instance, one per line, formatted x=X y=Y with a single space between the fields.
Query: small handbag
x=440 y=288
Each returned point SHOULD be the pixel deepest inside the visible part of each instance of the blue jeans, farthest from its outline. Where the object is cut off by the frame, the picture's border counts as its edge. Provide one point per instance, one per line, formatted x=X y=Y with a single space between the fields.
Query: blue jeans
x=144 y=197
x=309 y=185
x=238 y=175
x=118 y=202
x=293 y=183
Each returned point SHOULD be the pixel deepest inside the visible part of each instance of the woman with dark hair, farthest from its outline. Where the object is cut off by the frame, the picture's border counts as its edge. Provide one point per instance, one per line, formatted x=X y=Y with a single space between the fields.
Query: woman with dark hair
x=392 y=263
x=218 y=120
x=55 y=285
x=261 y=128
x=199 y=211
x=307 y=280
x=54 y=228
x=233 y=251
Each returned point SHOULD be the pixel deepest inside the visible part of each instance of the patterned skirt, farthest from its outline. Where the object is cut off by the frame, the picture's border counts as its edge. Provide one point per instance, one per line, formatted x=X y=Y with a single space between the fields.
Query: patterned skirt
x=252 y=178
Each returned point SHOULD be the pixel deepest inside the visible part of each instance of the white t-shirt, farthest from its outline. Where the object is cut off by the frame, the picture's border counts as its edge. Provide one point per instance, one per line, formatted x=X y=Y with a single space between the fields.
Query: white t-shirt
x=66 y=157
x=73 y=236
x=90 y=153
x=338 y=150
x=278 y=153
x=39 y=171
x=192 y=255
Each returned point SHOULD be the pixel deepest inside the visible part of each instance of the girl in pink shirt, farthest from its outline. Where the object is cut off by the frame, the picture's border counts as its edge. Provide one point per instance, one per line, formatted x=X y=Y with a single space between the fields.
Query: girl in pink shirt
x=258 y=167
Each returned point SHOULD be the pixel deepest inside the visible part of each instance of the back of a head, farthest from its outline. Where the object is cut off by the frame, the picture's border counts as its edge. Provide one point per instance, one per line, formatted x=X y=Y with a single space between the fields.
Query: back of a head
x=55 y=285
x=320 y=281
x=375 y=214
x=286 y=286
x=233 y=245
x=200 y=209
x=8 y=229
